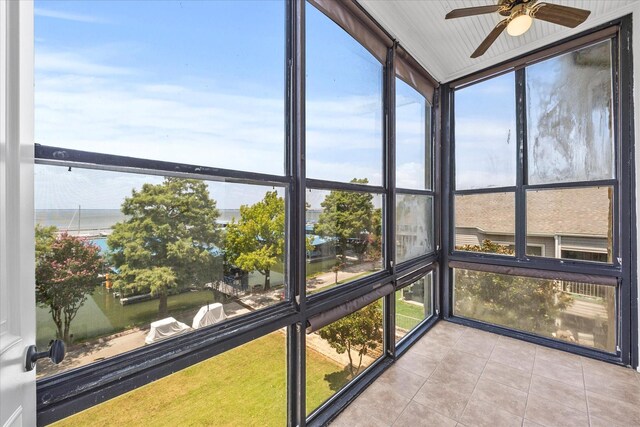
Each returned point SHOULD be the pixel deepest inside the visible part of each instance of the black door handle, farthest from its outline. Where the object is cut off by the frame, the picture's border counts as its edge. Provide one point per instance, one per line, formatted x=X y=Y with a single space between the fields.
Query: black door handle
x=56 y=353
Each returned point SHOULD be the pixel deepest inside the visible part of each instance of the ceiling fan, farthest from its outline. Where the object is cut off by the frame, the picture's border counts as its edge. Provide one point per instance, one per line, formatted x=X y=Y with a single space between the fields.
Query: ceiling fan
x=519 y=16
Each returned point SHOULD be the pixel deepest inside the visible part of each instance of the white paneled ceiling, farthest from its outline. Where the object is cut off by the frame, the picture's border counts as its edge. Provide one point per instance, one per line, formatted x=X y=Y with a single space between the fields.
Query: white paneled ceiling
x=443 y=46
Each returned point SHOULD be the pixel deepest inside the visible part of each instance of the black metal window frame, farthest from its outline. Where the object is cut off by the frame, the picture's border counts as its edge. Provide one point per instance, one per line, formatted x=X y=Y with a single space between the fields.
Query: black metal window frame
x=67 y=393
x=624 y=241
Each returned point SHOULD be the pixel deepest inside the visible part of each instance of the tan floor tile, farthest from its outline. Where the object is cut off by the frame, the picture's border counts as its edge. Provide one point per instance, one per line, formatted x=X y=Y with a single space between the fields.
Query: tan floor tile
x=403 y=382
x=442 y=399
x=447 y=330
x=567 y=373
x=624 y=388
x=418 y=415
x=506 y=375
x=477 y=343
x=484 y=414
x=527 y=423
x=519 y=358
x=431 y=348
x=568 y=395
x=465 y=362
x=454 y=379
x=608 y=407
x=597 y=368
x=514 y=344
x=417 y=363
x=601 y=422
x=356 y=416
x=558 y=357
x=501 y=396
x=552 y=414
x=381 y=403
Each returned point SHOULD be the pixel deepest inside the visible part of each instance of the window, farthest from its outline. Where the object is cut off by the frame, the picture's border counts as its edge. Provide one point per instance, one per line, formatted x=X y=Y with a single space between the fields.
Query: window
x=344 y=237
x=485 y=133
x=577 y=313
x=164 y=195
x=414 y=175
x=414 y=226
x=342 y=350
x=570 y=118
x=156 y=249
x=244 y=386
x=343 y=105
x=559 y=211
x=414 y=304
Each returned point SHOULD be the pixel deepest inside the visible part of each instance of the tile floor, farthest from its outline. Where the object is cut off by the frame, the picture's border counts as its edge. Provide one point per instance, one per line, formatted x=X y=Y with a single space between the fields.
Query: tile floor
x=459 y=376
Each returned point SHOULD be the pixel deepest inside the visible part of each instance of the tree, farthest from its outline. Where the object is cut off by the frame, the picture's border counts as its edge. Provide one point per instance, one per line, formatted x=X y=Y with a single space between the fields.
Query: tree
x=360 y=331
x=168 y=241
x=67 y=272
x=347 y=216
x=519 y=302
x=256 y=241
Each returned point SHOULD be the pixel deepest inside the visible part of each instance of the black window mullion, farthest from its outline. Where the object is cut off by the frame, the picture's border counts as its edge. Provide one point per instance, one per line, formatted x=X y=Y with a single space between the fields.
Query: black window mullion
x=295 y=122
x=389 y=166
x=521 y=131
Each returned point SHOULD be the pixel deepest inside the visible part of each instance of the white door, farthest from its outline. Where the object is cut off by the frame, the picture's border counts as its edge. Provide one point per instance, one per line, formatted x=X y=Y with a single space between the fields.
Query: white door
x=17 y=292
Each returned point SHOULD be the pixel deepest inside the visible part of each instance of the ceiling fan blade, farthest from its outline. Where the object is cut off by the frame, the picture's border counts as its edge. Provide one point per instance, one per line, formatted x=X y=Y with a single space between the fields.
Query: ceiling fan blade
x=471 y=11
x=493 y=35
x=562 y=15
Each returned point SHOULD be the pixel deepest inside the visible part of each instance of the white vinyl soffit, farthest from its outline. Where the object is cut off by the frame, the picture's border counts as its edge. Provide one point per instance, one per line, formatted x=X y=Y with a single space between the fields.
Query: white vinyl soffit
x=443 y=46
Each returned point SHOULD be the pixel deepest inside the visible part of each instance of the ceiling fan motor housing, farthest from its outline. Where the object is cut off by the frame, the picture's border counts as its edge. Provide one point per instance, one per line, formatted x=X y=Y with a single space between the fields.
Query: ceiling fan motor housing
x=508 y=6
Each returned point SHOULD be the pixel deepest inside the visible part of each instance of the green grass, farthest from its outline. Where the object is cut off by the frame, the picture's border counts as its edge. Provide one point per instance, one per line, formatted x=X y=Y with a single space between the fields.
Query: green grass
x=245 y=386
x=408 y=316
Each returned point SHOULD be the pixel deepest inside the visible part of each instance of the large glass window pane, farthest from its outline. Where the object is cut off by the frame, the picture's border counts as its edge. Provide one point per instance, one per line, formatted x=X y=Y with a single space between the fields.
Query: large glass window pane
x=414 y=226
x=569 y=117
x=340 y=351
x=246 y=386
x=579 y=313
x=344 y=104
x=485 y=134
x=199 y=82
x=124 y=260
x=414 y=303
x=571 y=223
x=413 y=138
x=344 y=237
x=485 y=223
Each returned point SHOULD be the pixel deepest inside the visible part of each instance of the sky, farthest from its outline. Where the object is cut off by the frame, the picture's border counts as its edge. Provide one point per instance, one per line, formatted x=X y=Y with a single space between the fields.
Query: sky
x=201 y=83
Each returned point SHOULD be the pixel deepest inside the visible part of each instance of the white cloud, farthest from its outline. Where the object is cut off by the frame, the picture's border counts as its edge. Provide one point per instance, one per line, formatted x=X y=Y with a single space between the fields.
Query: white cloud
x=76 y=17
x=73 y=64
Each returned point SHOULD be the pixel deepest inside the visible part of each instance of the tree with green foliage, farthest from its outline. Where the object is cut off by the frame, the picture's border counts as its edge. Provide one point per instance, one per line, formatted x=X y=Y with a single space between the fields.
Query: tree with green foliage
x=515 y=301
x=348 y=217
x=67 y=272
x=360 y=331
x=256 y=241
x=168 y=241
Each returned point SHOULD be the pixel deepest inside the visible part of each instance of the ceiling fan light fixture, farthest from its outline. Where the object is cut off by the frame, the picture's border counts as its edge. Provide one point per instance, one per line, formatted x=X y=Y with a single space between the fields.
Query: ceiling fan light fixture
x=519 y=25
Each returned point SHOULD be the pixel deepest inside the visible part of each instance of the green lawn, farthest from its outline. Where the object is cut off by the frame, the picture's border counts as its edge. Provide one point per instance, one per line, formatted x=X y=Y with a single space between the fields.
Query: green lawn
x=242 y=387
x=408 y=315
